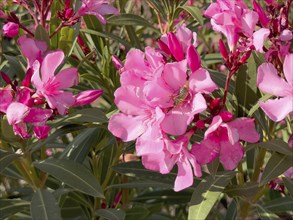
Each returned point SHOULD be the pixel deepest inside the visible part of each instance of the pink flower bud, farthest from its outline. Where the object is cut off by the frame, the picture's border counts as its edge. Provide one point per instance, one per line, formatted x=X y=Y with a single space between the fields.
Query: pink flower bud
x=193 y=58
x=86 y=97
x=245 y=57
x=10 y=29
x=226 y=116
x=116 y=62
x=164 y=47
x=215 y=103
x=263 y=18
x=27 y=79
x=175 y=46
x=41 y=132
x=200 y=124
x=38 y=101
x=223 y=50
x=5 y=77
x=68 y=13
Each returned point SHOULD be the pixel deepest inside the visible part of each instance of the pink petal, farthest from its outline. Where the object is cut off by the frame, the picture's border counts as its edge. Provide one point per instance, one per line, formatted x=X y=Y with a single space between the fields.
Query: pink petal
x=61 y=101
x=50 y=63
x=246 y=129
x=128 y=99
x=135 y=60
x=277 y=109
x=160 y=162
x=175 y=122
x=195 y=165
x=6 y=98
x=216 y=122
x=154 y=58
x=175 y=74
x=36 y=80
x=38 y=116
x=286 y=35
x=126 y=127
x=41 y=132
x=184 y=177
x=105 y=9
x=198 y=105
x=21 y=130
x=23 y=95
x=268 y=81
x=200 y=81
x=288 y=69
x=66 y=78
x=16 y=112
x=184 y=35
x=231 y=155
x=150 y=142
x=87 y=97
x=259 y=38
x=249 y=20
x=206 y=151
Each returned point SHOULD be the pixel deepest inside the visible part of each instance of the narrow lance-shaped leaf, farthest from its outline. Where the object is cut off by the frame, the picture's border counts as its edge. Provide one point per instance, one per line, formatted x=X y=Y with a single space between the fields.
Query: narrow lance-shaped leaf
x=72 y=174
x=282 y=204
x=44 y=206
x=111 y=214
x=206 y=194
x=8 y=207
x=6 y=158
x=265 y=214
x=289 y=185
x=274 y=145
x=276 y=165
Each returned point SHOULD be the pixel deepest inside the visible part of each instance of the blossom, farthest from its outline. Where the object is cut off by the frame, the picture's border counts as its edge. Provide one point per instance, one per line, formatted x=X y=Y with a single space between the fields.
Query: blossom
x=50 y=86
x=175 y=152
x=98 y=8
x=268 y=81
x=10 y=29
x=223 y=139
x=232 y=18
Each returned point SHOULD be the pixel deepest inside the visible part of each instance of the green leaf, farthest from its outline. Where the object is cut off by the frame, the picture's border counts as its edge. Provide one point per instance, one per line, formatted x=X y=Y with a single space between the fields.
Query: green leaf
x=256 y=106
x=140 y=184
x=265 y=214
x=111 y=214
x=133 y=37
x=6 y=158
x=246 y=191
x=212 y=58
x=136 y=213
x=283 y=204
x=232 y=210
x=194 y=12
x=66 y=39
x=8 y=207
x=246 y=89
x=163 y=196
x=95 y=115
x=41 y=34
x=44 y=206
x=79 y=148
x=289 y=185
x=72 y=174
x=129 y=19
x=276 y=165
x=274 y=145
x=15 y=66
x=206 y=194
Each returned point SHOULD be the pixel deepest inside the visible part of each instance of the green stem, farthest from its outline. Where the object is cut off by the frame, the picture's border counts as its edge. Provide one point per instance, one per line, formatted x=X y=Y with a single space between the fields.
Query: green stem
x=258 y=164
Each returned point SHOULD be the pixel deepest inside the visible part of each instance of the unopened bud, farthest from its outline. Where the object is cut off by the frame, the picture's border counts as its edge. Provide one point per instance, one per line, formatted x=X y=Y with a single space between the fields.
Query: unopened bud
x=200 y=124
x=226 y=116
x=164 y=47
x=27 y=79
x=215 y=103
x=245 y=57
x=263 y=18
x=193 y=58
x=5 y=77
x=223 y=50
x=117 y=62
x=175 y=46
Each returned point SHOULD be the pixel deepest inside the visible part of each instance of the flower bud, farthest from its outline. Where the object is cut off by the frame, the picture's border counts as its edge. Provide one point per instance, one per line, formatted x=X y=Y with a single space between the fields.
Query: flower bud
x=245 y=57
x=223 y=50
x=27 y=79
x=263 y=18
x=175 y=46
x=87 y=97
x=200 y=124
x=226 y=116
x=10 y=29
x=164 y=47
x=116 y=62
x=5 y=77
x=193 y=58
x=215 y=103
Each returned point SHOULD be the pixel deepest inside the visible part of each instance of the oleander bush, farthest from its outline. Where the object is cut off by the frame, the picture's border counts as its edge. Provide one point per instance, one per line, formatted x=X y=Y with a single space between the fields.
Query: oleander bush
x=146 y=110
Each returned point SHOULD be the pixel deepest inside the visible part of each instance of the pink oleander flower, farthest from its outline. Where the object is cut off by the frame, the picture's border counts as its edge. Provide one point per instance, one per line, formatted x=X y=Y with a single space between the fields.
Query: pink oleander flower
x=98 y=8
x=223 y=139
x=175 y=152
x=232 y=18
x=10 y=29
x=50 y=86
x=32 y=49
x=269 y=81
x=19 y=111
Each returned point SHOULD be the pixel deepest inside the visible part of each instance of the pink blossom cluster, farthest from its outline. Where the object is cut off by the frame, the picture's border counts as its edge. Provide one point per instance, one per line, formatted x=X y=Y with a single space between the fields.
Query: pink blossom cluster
x=164 y=98
x=25 y=105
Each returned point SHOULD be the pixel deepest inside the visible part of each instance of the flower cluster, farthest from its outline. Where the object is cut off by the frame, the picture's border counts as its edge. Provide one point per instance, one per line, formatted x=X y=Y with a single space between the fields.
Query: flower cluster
x=164 y=98
x=24 y=105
